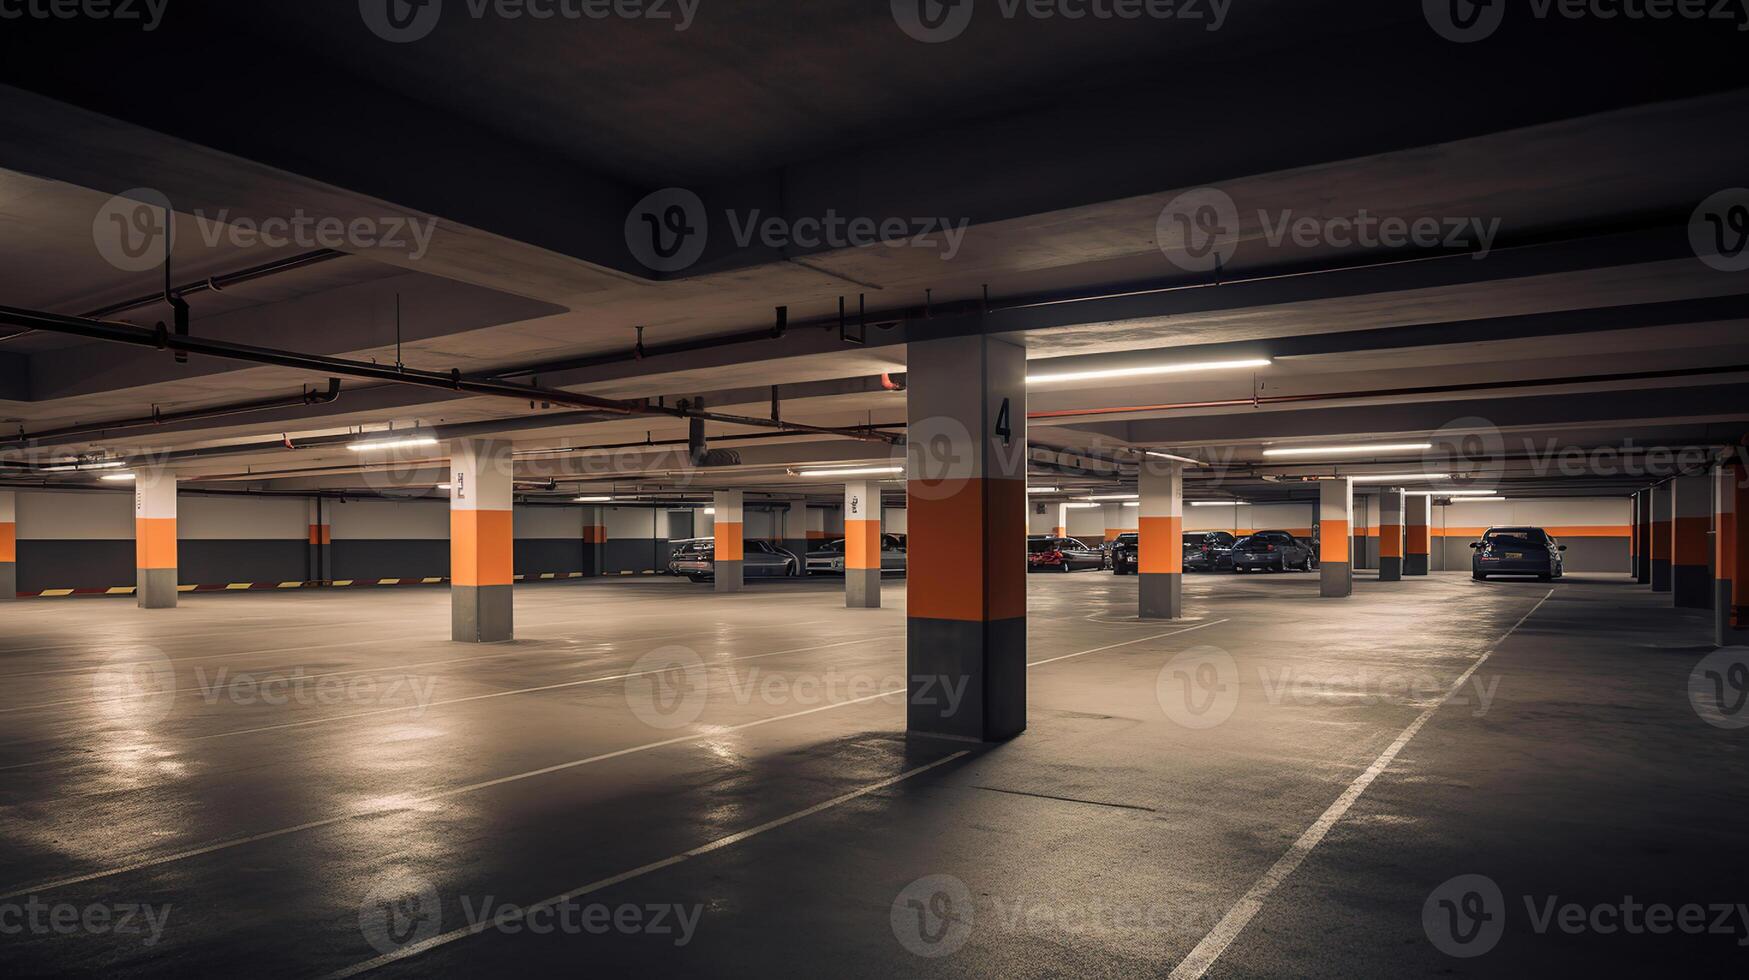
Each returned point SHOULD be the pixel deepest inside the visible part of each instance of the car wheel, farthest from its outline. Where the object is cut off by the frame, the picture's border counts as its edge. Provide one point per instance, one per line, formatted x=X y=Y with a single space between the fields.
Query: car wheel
x=695 y=578
x=1478 y=576
x=1064 y=567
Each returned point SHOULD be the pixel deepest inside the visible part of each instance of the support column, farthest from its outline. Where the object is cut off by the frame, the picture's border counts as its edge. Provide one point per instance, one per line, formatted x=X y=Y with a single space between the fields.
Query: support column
x=966 y=472
x=1728 y=551
x=795 y=534
x=1417 y=538
x=862 y=545
x=155 y=538
x=1643 y=537
x=482 y=542
x=1060 y=529
x=1160 y=562
x=1336 y=523
x=1691 y=579
x=730 y=547
x=1661 y=514
x=8 y=546
x=1113 y=521
x=595 y=539
x=321 y=565
x=1391 y=535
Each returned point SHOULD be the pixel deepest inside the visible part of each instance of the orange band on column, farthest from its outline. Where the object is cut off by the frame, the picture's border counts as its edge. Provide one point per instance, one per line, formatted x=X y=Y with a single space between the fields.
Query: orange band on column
x=1390 y=541
x=482 y=548
x=1161 y=540
x=8 y=542
x=1689 y=540
x=595 y=534
x=1335 y=545
x=729 y=545
x=321 y=534
x=951 y=521
x=1660 y=539
x=862 y=544
x=1418 y=539
x=155 y=542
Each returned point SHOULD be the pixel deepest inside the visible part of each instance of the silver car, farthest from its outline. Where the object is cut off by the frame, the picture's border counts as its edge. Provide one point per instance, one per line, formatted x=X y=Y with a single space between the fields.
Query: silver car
x=696 y=559
x=829 y=559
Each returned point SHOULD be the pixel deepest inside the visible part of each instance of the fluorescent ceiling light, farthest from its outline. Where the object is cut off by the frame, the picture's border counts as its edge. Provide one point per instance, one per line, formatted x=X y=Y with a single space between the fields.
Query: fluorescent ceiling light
x=1044 y=489
x=1113 y=496
x=1451 y=493
x=394 y=442
x=1395 y=447
x=119 y=477
x=1220 y=503
x=1399 y=477
x=711 y=511
x=857 y=471
x=594 y=500
x=80 y=467
x=1152 y=369
x=1080 y=506
x=1175 y=459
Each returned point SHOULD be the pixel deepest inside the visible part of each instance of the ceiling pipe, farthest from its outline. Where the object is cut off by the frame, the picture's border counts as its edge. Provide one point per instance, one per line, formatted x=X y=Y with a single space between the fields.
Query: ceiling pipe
x=308 y=397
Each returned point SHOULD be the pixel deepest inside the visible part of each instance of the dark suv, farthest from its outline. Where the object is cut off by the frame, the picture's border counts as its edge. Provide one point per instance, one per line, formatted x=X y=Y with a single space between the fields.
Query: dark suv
x=1208 y=551
x=1517 y=551
x=1125 y=553
x=1274 y=551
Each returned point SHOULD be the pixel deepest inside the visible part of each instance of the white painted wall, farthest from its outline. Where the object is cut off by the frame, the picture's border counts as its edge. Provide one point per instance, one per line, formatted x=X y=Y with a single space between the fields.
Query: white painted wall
x=45 y=515
x=383 y=520
x=554 y=523
x=200 y=518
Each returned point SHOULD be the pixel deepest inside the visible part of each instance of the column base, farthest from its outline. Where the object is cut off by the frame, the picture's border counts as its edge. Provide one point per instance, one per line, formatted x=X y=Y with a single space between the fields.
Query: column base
x=156 y=588
x=1390 y=569
x=1660 y=575
x=1415 y=565
x=1725 y=632
x=1337 y=581
x=8 y=582
x=862 y=588
x=1691 y=586
x=1161 y=595
x=481 y=614
x=729 y=576
x=966 y=680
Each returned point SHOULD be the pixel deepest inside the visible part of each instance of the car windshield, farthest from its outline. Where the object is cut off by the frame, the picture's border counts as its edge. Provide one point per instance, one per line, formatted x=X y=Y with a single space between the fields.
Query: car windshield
x=1039 y=546
x=1516 y=537
x=1263 y=539
x=836 y=547
x=1128 y=540
x=696 y=547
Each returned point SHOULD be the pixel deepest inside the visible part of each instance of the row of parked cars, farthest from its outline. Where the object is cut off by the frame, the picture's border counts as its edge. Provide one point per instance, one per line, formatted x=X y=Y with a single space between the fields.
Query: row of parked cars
x=1221 y=551
x=696 y=559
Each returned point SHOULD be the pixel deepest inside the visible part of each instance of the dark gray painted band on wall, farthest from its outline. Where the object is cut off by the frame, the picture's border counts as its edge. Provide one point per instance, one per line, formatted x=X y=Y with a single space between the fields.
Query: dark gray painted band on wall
x=537 y=556
x=1160 y=595
x=633 y=555
x=76 y=564
x=209 y=562
x=1691 y=586
x=372 y=558
x=1582 y=554
x=966 y=680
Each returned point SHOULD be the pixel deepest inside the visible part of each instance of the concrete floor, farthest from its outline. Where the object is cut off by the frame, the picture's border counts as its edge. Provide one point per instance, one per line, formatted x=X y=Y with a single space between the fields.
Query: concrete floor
x=1167 y=769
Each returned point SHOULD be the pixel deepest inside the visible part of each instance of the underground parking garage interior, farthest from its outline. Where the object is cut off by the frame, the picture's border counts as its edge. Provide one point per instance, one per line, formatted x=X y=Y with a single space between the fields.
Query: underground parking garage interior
x=1225 y=488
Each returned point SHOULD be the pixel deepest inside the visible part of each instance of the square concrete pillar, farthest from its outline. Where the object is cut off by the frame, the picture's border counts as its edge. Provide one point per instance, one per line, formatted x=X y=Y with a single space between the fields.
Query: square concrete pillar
x=482 y=541
x=730 y=548
x=1643 y=537
x=862 y=545
x=320 y=565
x=1160 y=560
x=1661 y=524
x=1730 y=487
x=1335 y=528
x=595 y=539
x=966 y=487
x=155 y=538
x=1060 y=523
x=1391 y=507
x=795 y=534
x=1417 y=534
x=1691 y=577
x=8 y=546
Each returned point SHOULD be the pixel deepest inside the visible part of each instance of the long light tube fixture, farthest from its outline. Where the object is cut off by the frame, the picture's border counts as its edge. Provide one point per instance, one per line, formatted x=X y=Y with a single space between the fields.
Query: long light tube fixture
x=856 y=471
x=1398 y=477
x=396 y=442
x=1395 y=447
x=1148 y=370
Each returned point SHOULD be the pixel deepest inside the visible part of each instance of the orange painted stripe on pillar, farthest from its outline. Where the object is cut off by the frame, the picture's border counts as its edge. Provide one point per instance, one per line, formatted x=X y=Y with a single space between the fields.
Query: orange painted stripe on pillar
x=1059 y=532
x=862 y=544
x=729 y=544
x=1418 y=540
x=951 y=520
x=1168 y=560
x=595 y=534
x=1335 y=547
x=482 y=548
x=155 y=542
x=1660 y=539
x=8 y=542
x=1689 y=539
x=321 y=534
x=1390 y=540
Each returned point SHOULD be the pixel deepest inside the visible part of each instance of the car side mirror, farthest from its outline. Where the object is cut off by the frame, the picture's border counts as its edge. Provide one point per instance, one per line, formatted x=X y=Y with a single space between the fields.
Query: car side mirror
x=1563 y=547
x=1475 y=544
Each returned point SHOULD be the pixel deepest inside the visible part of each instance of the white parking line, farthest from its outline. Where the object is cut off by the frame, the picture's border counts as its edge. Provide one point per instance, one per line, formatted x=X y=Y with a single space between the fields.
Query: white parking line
x=1239 y=916
x=1114 y=646
x=638 y=872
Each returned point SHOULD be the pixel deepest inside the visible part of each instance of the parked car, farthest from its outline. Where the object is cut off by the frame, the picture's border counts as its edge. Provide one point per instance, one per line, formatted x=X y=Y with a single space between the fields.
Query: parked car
x=829 y=559
x=1517 y=551
x=1274 y=551
x=1061 y=554
x=1208 y=551
x=1126 y=554
x=696 y=559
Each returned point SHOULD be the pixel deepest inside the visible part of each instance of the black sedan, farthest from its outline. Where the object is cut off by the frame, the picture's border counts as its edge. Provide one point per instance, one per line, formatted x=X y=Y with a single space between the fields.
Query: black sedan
x=1517 y=551
x=1052 y=554
x=1274 y=551
x=1126 y=553
x=1208 y=551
